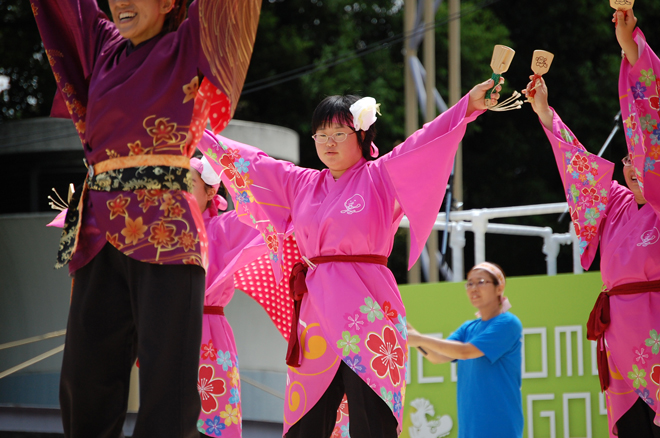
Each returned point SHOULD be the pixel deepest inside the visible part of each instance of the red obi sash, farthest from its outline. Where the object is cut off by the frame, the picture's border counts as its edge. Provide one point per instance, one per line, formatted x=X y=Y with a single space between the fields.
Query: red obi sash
x=599 y=321
x=298 y=288
x=214 y=310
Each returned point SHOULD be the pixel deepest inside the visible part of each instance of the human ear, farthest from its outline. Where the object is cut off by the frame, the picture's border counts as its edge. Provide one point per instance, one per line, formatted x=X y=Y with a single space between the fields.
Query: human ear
x=210 y=193
x=166 y=6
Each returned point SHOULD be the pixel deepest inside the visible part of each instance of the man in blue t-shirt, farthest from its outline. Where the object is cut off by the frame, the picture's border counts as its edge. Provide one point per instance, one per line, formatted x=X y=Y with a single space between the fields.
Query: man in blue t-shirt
x=488 y=350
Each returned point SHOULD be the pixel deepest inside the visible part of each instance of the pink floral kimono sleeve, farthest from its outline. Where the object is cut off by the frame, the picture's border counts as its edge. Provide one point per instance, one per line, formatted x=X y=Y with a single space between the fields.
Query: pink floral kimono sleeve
x=268 y=210
x=419 y=169
x=587 y=180
x=639 y=91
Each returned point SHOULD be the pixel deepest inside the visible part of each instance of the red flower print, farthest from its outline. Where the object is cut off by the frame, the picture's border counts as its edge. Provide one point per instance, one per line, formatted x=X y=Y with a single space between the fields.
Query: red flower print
x=148 y=203
x=588 y=232
x=187 y=241
x=113 y=240
x=134 y=230
x=209 y=352
x=576 y=225
x=117 y=206
x=162 y=235
x=209 y=388
x=136 y=148
x=162 y=131
x=580 y=163
x=271 y=243
x=389 y=312
x=231 y=172
x=141 y=193
x=594 y=171
x=655 y=374
x=654 y=103
x=343 y=409
x=592 y=193
x=389 y=356
x=176 y=211
x=234 y=154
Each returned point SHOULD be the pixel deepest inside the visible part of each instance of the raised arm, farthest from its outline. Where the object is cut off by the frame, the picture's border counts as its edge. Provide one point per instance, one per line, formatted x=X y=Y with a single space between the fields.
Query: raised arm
x=428 y=156
x=262 y=187
x=223 y=32
x=586 y=177
x=73 y=32
x=639 y=88
x=625 y=22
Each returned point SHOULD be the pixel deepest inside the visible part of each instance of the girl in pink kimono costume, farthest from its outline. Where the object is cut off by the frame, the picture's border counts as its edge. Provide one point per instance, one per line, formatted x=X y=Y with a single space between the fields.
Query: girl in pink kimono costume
x=626 y=223
x=235 y=249
x=352 y=324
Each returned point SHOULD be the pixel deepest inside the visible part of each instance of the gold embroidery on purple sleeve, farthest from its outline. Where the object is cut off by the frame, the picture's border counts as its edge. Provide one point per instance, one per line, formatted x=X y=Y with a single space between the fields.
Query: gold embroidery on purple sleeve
x=227 y=33
x=51 y=54
x=68 y=89
x=190 y=90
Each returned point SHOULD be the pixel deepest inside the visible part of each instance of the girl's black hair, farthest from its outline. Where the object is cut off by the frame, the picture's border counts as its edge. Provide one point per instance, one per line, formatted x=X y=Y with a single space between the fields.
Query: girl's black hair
x=175 y=17
x=337 y=109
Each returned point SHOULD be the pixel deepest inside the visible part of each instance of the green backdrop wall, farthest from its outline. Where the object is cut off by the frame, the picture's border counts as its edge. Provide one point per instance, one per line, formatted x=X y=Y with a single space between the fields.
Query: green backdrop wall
x=560 y=389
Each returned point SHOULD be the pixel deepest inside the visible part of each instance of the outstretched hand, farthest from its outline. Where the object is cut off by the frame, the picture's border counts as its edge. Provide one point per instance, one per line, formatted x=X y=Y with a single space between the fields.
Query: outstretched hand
x=625 y=25
x=540 y=102
x=477 y=101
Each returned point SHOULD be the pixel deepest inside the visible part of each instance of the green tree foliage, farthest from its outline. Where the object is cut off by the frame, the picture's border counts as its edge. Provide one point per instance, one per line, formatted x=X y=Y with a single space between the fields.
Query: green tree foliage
x=23 y=61
x=355 y=47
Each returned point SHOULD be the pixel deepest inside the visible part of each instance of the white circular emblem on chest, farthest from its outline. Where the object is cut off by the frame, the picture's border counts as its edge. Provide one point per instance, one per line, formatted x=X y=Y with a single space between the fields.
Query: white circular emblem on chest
x=354 y=204
x=649 y=237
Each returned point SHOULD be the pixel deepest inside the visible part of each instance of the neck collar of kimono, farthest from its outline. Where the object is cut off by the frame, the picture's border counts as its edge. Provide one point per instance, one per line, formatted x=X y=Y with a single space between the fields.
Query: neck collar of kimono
x=351 y=169
x=130 y=47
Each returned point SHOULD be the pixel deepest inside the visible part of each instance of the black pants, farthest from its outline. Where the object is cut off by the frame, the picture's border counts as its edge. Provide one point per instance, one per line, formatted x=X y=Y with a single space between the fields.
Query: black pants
x=369 y=416
x=637 y=422
x=122 y=309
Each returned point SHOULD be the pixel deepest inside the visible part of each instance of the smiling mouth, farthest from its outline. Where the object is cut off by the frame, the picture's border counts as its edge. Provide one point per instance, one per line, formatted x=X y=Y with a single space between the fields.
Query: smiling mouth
x=126 y=16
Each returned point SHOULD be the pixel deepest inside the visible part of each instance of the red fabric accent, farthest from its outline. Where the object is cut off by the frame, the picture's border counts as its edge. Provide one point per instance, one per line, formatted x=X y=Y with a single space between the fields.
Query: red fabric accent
x=258 y=281
x=214 y=310
x=599 y=321
x=298 y=289
x=532 y=92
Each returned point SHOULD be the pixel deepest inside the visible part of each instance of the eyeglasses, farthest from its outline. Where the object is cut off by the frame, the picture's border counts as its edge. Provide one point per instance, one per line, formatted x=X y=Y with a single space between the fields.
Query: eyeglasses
x=627 y=160
x=480 y=283
x=338 y=137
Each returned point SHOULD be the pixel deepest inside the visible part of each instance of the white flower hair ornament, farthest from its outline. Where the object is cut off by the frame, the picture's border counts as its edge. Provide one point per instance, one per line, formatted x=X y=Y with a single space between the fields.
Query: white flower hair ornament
x=364 y=113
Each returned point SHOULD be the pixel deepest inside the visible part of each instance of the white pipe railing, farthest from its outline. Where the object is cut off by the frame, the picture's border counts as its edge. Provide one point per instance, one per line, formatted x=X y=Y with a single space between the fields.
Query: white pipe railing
x=477 y=222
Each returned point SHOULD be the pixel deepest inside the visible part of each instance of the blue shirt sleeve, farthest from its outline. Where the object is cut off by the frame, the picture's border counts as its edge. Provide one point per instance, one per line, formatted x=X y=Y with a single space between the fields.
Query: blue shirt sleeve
x=499 y=337
x=459 y=334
